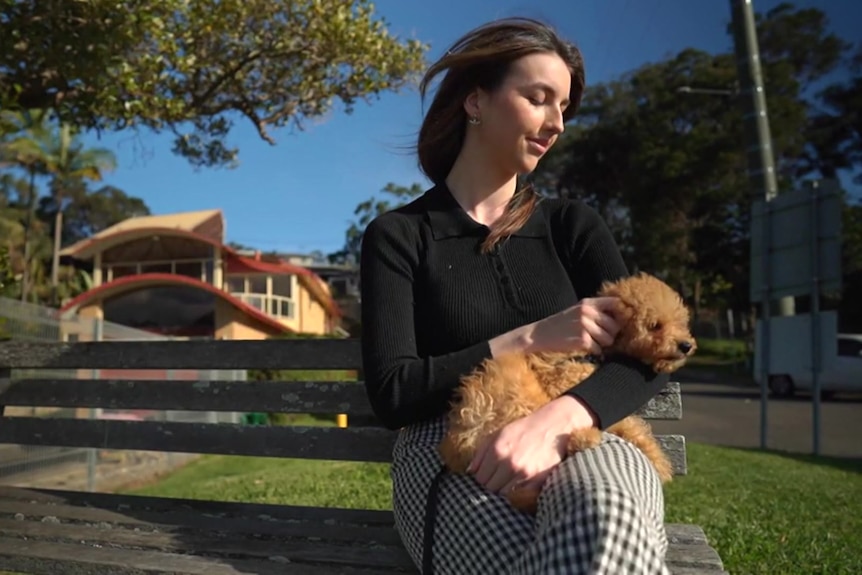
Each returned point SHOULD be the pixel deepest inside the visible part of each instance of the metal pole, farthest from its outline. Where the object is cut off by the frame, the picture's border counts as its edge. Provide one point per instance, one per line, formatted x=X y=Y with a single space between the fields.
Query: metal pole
x=98 y=335
x=761 y=172
x=758 y=138
x=815 y=315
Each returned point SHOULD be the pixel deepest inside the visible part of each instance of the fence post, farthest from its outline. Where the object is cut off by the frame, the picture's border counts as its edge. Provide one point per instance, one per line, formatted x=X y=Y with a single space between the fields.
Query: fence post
x=98 y=335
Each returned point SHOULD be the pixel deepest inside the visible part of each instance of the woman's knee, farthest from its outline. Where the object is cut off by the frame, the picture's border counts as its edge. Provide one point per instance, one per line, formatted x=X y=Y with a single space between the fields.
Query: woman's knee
x=613 y=474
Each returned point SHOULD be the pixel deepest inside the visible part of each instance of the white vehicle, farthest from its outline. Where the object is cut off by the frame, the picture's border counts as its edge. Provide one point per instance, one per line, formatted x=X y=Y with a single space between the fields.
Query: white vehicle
x=845 y=373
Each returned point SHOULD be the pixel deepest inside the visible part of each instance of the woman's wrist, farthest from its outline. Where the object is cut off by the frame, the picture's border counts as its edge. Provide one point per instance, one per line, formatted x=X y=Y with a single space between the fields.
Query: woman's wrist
x=569 y=413
x=518 y=340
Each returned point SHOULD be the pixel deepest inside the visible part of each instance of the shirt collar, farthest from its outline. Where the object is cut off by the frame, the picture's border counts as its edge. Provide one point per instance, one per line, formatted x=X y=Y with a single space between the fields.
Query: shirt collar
x=448 y=219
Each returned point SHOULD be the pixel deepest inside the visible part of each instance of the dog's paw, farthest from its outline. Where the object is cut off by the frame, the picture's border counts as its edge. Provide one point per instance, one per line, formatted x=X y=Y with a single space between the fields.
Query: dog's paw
x=453 y=456
x=524 y=499
x=584 y=439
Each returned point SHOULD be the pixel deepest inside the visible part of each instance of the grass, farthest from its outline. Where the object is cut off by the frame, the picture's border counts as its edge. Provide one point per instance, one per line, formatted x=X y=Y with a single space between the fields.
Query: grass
x=764 y=512
x=768 y=512
x=724 y=356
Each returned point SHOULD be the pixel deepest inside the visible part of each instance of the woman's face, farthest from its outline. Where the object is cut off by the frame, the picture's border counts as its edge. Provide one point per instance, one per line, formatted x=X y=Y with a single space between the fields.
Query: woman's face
x=522 y=119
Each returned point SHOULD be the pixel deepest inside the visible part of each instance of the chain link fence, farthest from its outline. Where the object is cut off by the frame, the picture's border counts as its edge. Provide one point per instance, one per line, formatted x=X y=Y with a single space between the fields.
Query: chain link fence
x=92 y=469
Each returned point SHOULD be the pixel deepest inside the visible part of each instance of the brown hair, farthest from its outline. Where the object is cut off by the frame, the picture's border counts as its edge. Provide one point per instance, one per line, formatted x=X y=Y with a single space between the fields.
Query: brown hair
x=481 y=59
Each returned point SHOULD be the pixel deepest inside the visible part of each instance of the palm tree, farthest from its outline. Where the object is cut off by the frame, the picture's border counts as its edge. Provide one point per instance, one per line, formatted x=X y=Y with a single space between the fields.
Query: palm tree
x=70 y=164
x=21 y=138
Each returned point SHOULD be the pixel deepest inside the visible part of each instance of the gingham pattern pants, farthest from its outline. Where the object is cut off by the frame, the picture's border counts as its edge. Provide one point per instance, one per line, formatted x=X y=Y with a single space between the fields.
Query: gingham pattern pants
x=601 y=512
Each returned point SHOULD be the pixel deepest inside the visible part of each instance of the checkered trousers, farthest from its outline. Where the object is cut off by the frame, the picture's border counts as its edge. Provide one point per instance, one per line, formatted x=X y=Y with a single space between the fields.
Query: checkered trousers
x=601 y=512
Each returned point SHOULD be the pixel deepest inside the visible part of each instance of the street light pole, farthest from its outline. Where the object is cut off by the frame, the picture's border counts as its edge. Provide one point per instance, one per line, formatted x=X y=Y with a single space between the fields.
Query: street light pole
x=761 y=176
x=758 y=139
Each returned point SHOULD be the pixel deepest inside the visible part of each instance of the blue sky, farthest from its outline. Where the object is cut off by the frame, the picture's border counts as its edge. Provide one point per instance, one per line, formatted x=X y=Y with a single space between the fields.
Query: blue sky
x=300 y=194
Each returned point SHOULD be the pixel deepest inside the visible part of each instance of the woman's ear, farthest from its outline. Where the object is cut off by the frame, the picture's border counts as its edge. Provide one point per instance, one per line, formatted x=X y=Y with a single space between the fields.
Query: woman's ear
x=473 y=103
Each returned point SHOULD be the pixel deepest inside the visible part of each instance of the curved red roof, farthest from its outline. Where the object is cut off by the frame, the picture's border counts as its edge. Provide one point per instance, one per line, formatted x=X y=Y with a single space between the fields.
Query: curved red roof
x=236 y=262
x=129 y=283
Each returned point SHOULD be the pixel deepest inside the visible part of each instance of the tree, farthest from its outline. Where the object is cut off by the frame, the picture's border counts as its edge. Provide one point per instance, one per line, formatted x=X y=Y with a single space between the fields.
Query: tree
x=835 y=130
x=21 y=136
x=367 y=211
x=193 y=68
x=91 y=211
x=69 y=164
x=667 y=168
x=7 y=277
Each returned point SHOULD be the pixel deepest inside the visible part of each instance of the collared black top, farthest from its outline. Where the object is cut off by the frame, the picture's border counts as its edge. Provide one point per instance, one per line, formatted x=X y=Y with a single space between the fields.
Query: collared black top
x=431 y=301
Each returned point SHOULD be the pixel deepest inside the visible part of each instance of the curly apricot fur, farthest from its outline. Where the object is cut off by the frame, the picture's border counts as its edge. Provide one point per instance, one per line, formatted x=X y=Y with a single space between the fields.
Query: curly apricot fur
x=654 y=321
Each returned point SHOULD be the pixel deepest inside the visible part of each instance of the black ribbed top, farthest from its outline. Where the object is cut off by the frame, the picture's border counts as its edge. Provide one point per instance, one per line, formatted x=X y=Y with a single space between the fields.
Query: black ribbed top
x=431 y=301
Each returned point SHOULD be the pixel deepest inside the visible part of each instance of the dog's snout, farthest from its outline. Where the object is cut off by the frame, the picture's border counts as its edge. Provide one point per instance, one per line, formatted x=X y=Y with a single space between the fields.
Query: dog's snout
x=684 y=346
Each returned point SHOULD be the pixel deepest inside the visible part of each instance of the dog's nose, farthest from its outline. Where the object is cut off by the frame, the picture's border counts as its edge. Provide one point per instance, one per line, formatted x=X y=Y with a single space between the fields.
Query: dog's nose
x=684 y=346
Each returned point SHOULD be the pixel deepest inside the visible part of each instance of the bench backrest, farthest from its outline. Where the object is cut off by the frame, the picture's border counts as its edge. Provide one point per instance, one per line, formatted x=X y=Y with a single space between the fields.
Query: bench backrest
x=365 y=442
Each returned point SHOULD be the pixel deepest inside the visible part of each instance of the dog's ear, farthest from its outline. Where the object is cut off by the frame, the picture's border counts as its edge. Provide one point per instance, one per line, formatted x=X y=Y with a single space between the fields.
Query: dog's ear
x=623 y=311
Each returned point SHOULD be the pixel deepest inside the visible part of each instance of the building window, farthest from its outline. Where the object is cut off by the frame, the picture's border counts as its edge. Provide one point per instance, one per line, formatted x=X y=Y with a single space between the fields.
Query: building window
x=269 y=294
x=157 y=268
x=236 y=284
x=281 y=285
x=122 y=270
x=189 y=269
x=256 y=283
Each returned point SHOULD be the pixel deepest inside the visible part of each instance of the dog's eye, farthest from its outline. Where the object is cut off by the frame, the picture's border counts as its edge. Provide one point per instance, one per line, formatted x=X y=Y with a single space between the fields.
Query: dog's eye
x=655 y=326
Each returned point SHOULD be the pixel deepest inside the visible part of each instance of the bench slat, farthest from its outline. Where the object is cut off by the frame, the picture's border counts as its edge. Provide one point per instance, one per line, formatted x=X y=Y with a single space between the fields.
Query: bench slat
x=175 y=518
x=312 y=354
x=211 y=542
x=348 y=444
x=50 y=558
x=318 y=397
x=118 y=521
x=351 y=444
x=132 y=505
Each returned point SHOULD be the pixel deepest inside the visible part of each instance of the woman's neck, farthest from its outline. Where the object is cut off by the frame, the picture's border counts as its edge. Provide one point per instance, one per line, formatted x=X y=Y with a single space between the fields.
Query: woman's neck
x=479 y=189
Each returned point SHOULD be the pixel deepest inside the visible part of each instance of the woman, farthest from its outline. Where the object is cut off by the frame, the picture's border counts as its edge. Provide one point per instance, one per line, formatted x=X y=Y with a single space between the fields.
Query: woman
x=477 y=267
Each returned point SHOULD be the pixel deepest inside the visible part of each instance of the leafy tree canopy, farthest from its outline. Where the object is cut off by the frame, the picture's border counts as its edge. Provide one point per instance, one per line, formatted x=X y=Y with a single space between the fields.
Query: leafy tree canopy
x=194 y=68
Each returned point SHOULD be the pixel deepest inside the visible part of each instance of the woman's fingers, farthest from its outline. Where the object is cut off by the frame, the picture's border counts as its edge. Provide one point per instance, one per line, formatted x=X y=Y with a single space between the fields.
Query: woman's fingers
x=598 y=322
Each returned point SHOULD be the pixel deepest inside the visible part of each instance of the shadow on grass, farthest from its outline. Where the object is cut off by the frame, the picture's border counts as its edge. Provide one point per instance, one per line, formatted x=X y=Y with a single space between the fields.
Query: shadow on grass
x=848 y=464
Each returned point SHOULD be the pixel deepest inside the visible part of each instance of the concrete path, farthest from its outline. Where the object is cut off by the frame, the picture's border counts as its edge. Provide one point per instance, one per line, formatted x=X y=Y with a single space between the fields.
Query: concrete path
x=722 y=414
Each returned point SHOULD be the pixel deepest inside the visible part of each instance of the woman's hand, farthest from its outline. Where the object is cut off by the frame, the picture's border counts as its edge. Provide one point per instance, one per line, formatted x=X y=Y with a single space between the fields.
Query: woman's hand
x=587 y=327
x=527 y=450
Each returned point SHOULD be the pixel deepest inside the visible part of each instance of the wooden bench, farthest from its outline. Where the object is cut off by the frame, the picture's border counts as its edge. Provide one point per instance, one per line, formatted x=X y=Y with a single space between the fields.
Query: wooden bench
x=50 y=531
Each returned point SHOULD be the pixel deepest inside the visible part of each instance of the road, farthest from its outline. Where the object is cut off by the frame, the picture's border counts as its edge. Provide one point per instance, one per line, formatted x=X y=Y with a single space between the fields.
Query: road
x=721 y=414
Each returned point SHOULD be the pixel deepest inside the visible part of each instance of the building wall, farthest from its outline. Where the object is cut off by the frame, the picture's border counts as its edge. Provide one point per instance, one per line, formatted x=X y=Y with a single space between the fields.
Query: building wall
x=310 y=316
x=233 y=324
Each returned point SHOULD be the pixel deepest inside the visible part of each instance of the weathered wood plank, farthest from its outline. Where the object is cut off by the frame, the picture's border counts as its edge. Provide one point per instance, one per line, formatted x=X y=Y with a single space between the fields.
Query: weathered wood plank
x=349 y=444
x=222 y=547
x=213 y=543
x=674 y=446
x=243 y=531
x=352 y=444
x=327 y=353
x=51 y=558
x=173 y=519
x=131 y=505
x=320 y=397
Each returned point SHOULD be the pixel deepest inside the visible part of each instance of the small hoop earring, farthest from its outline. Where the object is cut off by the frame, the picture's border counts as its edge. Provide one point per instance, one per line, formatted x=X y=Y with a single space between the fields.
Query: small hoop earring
x=474 y=120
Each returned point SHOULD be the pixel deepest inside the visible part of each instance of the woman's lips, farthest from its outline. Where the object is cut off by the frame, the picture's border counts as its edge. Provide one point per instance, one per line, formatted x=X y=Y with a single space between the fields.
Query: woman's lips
x=540 y=144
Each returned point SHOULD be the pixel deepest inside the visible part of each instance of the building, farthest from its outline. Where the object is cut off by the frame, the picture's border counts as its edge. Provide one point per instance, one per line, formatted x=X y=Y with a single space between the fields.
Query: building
x=343 y=280
x=173 y=275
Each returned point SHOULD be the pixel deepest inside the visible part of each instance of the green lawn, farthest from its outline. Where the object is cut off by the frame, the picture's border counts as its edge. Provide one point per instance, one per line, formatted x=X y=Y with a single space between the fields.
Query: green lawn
x=764 y=512
x=723 y=356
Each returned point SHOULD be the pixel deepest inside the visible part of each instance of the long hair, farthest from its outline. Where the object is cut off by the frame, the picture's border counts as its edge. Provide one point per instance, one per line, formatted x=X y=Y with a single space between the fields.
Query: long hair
x=481 y=59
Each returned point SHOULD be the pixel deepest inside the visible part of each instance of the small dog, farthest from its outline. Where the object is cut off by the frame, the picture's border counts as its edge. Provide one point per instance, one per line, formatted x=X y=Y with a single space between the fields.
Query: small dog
x=654 y=328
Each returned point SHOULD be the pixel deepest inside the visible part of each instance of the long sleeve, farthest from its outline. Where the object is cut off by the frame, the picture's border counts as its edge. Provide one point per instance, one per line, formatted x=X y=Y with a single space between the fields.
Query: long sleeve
x=402 y=387
x=621 y=385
